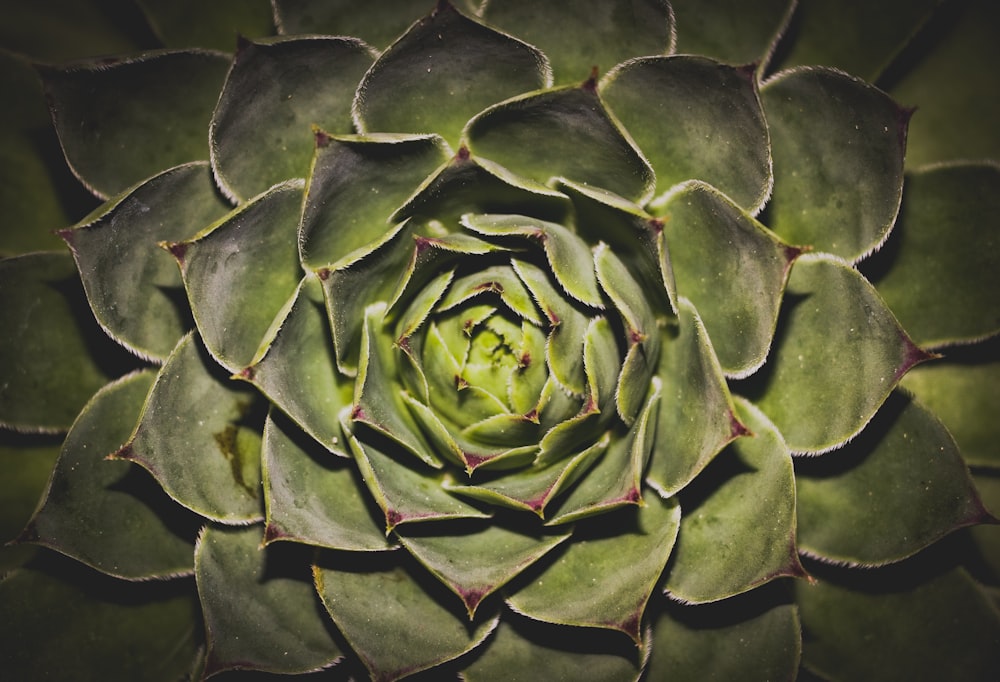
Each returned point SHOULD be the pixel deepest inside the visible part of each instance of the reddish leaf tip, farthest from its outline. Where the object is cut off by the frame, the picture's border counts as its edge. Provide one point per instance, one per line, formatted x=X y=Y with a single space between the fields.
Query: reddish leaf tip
x=322 y=138
x=125 y=452
x=463 y=154
x=247 y=373
x=590 y=85
x=357 y=413
x=273 y=533
x=177 y=249
x=737 y=428
x=66 y=234
x=656 y=224
x=323 y=274
x=392 y=519
x=472 y=598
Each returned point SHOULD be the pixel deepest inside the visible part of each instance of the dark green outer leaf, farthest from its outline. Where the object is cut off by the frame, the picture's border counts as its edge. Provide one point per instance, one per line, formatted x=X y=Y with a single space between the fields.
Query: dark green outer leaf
x=276 y=93
x=62 y=30
x=441 y=72
x=156 y=106
x=727 y=31
x=134 y=288
x=45 y=351
x=109 y=515
x=943 y=270
x=259 y=613
x=592 y=34
x=27 y=463
x=218 y=24
x=847 y=514
x=837 y=190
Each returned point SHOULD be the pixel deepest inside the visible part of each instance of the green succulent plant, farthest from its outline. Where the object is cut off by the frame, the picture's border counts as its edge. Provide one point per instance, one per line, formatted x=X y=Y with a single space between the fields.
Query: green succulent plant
x=506 y=340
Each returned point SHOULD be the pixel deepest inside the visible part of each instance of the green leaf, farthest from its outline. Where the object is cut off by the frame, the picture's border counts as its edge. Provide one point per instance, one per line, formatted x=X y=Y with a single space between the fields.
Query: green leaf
x=110 y=515
x=441 y=72
x=297 y=371
x=943 y=268
x=100 y=627
x=526 y=651
x=719 y=643
x=276 y=89
x=217 y=26
x=696 y=418
x=260 y=614
x=474 y=561
x=410 y=630
x=738 y=527
x=377 y=23
x=838 y=190
x=355 y=185
x=896 y=630
x=931 y=493
x=27 y=462
x=192 y=439
x=134 y=287
x=861 y=38
x=730 y=30
x=592 y=33
x=695 y=119
x=313 y=497
x=50 y=370
x=156 y=106
x=835 y=338
x=240 y=273
x=565 y=133
x=731 y=267
x=605 y=579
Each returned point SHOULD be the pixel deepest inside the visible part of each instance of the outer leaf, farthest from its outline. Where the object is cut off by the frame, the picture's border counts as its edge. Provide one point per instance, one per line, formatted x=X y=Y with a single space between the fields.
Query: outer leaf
x=355 y=184
x=943 y=267
x=109 y=515
x=694 y=118
x=564 y=132
x=441 y=72
x=157 y=106
x=605 y=580
x=259 y=615
x=838 y=191
x=218 y=25
x=192 y=410
x=275 y=90
x=99 y=626
x=731 y=267
x=61 y=30
x=525 y=651
x=837 y=339
x=725 y=30
x=741 y=533
x=134 y=288
x=49 y=371
x=476 y=561
x=696 y=415
x=240 y=273
x=312 y=497
x=899 y=634
x=27 y=461
x=409 y=629
x=710 y=643
x=592 y=34
x=931 y=494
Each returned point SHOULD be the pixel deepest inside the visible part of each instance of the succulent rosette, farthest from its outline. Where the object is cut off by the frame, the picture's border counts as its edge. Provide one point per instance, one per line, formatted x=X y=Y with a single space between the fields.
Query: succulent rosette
x=475 y=347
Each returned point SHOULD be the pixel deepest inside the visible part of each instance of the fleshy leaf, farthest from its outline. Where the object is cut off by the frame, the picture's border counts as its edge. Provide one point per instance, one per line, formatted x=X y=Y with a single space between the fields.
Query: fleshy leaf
x=49 y=369
x=592 y=33
x=441 y=72
x=731 y=268
x=931 y=495
x=695 y=119
x=409 y=630
x=259 y=613
x=605 y=580
x=312 y=497
x=475 y=561
x=738 y=531
x=134 y=288
x=376 y=23
x=943 y=270
x=193 y=410
x=835 y=338
x=27 y=461
x=109 y=515
x=355 y=185
x=525 y=650
x=240 y=273
x=156 y=106
x=691 y=644
x=838 y=191
x=563 y=132
x=725 y=30
x=218 y=24
x=275 y=90
x=696 y=414
x=898 y=633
